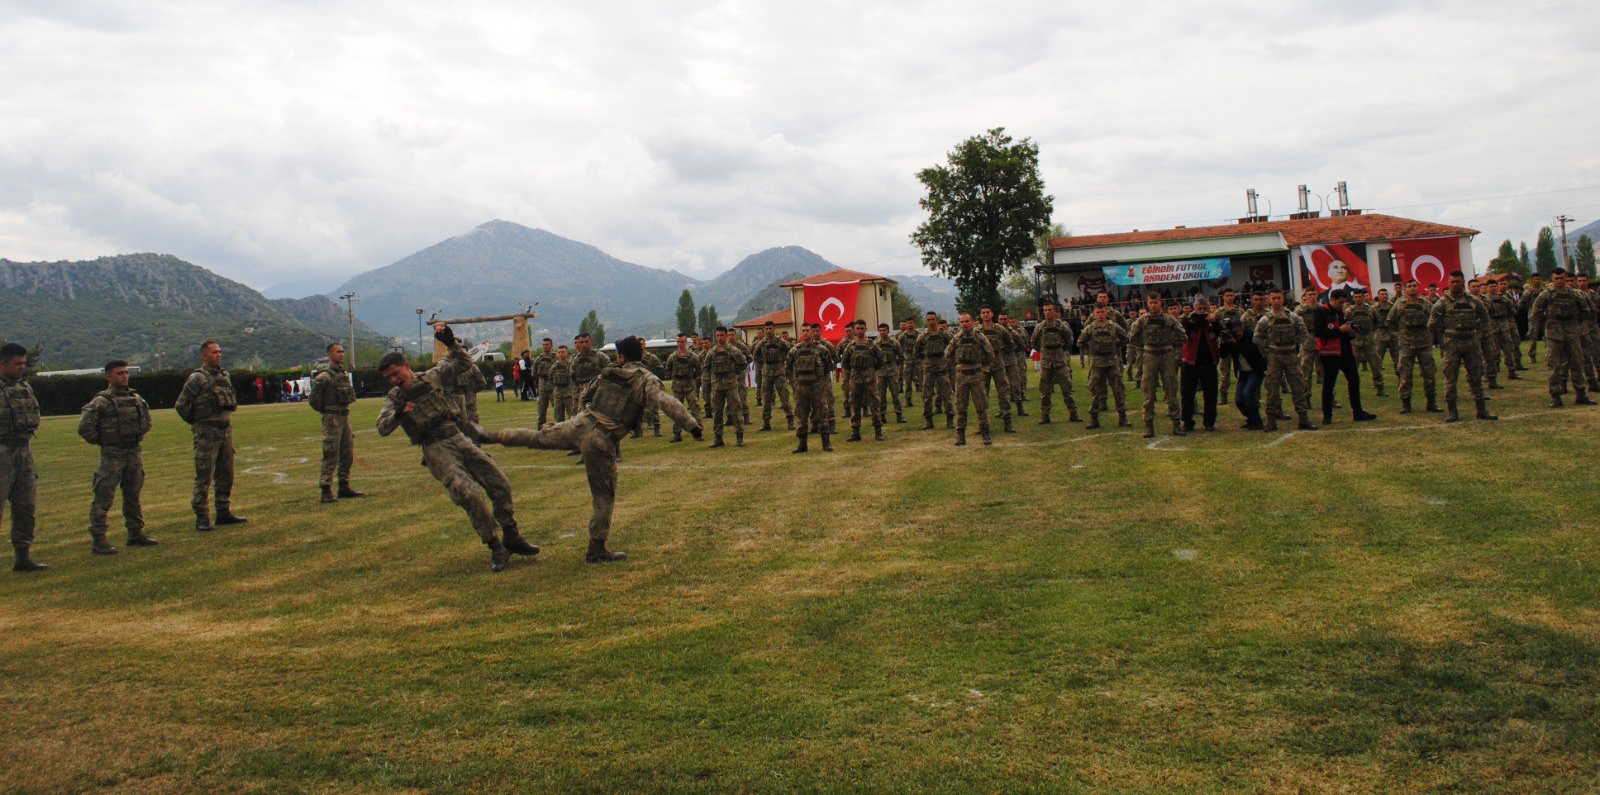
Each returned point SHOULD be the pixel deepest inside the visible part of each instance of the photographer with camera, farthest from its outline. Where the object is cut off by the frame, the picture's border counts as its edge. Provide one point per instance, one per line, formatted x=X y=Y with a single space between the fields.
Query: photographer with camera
x=1240 y=352
x=1335 y=341
x=1201 y=353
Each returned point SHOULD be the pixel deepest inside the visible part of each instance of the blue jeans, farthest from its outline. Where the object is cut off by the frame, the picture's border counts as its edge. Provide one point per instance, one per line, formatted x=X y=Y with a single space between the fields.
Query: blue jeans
x=1247 y=396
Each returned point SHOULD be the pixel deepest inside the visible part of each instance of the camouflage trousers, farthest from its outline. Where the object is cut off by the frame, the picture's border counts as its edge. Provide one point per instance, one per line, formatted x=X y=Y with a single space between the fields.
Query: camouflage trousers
x=1135 y=360
x=1591 y=349
x=474 y=482
x=774 y=384
x=973 y=387
x=1413 y=357
x=1224 y=381
x=19 y=486
x=1490 y=354
x=1308 y=360
x=1052 y=377
x=1459 y=351
x=213 y=459
x=1101 y=376
x=996 y=385
x=1505 y=341
x=546 y=396
x=936 y=391
x=811 y=407
x=1160 y=369
x=338 y=448
x=864 y=399
x=1561 y=359
x=1017 y=367
x=888 y=392
x=124 y=468
x=1387 y=344
x=1369 y=353
x=911 y=378
x=596 y=447
x=1283 y=366
x=686 y=394
x=705 y=395
x=726 y=409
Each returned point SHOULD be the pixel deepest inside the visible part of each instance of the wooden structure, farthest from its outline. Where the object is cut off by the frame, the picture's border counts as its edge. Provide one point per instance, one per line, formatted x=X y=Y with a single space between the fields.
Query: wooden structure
x=519 y=330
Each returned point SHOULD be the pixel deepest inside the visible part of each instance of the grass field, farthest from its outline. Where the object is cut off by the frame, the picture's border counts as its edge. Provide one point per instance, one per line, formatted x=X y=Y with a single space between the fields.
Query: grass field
x=1401 y=606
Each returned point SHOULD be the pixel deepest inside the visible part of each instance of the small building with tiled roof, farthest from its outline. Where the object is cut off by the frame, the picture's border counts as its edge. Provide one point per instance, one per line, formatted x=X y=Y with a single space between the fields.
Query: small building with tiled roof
x=782 y=320
x=1249 y=254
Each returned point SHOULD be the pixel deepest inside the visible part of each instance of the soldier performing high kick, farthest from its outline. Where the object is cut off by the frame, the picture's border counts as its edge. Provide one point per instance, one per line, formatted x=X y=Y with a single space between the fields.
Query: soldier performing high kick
x=615 y=404
x=207 y=402
x=116 y=420
x=331 y=396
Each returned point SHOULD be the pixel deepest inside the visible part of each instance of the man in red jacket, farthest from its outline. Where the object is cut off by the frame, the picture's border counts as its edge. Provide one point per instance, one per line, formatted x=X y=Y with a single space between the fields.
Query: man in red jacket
x=1200 y=356
x=1334 y=337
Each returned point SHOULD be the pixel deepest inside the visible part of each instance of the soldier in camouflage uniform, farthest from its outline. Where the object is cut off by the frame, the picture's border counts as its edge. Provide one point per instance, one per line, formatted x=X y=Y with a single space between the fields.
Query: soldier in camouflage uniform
x=586 y=366
x=973 y=357
x=1053 y=339
x=1408 y=321
x=1486 y=343
x=931 y=345
x=862 y=361
x=418 y=405
x=1281 y=335
x=1458 y=318
x=465 y=393
x=331 y=396
x=995 y=381
x=1385 y=337
x=116 y=421
x=1158 y=334
x=1104 y=341
x=1503 y=316
x=1308 y=352
x=910 y=365
x=652 y=415
x=541 y=367
x=1016 y=351
x=1133 y=355
x=563 y=389
x=1365 y=321
x=889 y=375
x=726 y=365
x=771 y=352
x=683 y=365
x=1530 y=294
x=1561 y=315
x=1591 y=332
x=207 y=402
x=1230 y=310
x=614 y=405
x=811 y=371
x=19 y=480
x=740 y=383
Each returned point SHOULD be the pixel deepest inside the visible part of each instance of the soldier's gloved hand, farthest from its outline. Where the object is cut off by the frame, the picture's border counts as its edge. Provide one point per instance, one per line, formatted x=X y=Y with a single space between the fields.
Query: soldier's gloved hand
x=445 y=336
x=479 y=434
x=698 y=434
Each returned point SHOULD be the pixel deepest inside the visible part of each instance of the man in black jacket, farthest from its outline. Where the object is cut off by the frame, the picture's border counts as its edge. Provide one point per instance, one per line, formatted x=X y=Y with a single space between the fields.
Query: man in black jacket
x=1200 y=356
x=1335 y=349
x=1240 y=352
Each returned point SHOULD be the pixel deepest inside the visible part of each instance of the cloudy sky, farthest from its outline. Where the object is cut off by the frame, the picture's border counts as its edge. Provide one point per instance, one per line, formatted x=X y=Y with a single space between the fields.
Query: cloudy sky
x=278 y=140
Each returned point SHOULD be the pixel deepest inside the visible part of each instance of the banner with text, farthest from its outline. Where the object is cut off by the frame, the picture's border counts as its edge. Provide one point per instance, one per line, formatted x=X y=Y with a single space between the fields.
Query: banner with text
x=1188 y=270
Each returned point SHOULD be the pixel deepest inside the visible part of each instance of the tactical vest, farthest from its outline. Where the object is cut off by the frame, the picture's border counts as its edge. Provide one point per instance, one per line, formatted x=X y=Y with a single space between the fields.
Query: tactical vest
x=585 y=367
x=1361 y=321
x=560 y=374
x=1501 y=309
x=772 y=352
x=543 y=364
x=682 y=366
x=19 y=412
x=1280 y=331
x=1053 y=338
x=723 y=363
x=123 y=424
x=1157 y=334
x=1413 y=315
x=339 y=393
x=969 y=352
x=1563 y=305
x=862 y=357
x=807 y=364
x=1102 y=340
x=616 y=396
x=933 y=348
x=431 y=412
x=1462 y=315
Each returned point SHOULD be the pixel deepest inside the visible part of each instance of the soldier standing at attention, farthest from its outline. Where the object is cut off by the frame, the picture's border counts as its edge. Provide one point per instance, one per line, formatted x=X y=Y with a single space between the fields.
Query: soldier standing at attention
x=1229 y=311
x=931 y=345
x=862 y=360
x=1591 y=331
x=889 y=375
x=910 y=365
x=771 y=351
x=1503 y=312
x=726 y=365
x=1457 y=318
x=973 y=356
x=1530 y=294
x=116 y=420
x=417 y=405
x=1408 y=320
x=541 y=369
x=1284 y=334
x=705 y=375
x=1559 y=314
x=615 y=405
x=563 y=392
x=811 y=372
x=740 y=383
x=586 y=365
x=1308 y=352
x=1016 y=349
x=207 y=403
x=994 y=369
x=1053 y=339
x=658 y=369
x=1365 y=321
x=331 y=396
x=683 y=365
x=1384 y=337
x=1491 y=363
x=1156 y=334
x=1103 y=341
x=19 y=481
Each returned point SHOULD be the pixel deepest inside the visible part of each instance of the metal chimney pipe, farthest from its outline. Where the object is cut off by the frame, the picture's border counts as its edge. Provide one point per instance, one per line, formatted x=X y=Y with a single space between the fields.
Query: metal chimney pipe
x=1304 y=199
x=1344 y=195
x=1250 y=202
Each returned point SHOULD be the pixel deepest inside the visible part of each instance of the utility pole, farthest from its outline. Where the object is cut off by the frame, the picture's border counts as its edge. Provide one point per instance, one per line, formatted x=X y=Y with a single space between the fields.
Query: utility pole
x=1563 y=219
x=350 y=313
x=421 y=344
x=158 y=324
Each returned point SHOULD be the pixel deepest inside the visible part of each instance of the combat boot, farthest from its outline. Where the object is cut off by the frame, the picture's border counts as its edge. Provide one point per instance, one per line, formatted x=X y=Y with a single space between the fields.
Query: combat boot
x=226 y=516
x=346 y=493
x=899 y=419
x=1044 y=419
x=1271 y=423
x=827 y=446
x=927 y=422
x=1150 y=430
x=716 y=441
x=1073 y=416
x=1009 y=428
x=961 y=437
x=1382 y=393
x=638 y=432
x=1094 y=421
x=1178 y=430
x=801 y=447
x=499 y=558
x=766 y=423
x=790 y=420
x=1021 y=410
x=1305 y=423
x=656 y=430
x=1582 y=400
x=987 y=439
x=949 y=421
x=1453 y=416
x=1405 y=405
x=1555 y=401
x=677 y=436
x=1494 y=382
x=1483 y=411
x=137 y=538
x=101 y=546
x=202 y=523
x=877 y=433
x=599 y=554
x=1122 y=420
x=738 y=438
x=1433 y=405
x=327 y=495
x=1510 y=375
x=25 y=562
x=513 y=541
x=855 y=434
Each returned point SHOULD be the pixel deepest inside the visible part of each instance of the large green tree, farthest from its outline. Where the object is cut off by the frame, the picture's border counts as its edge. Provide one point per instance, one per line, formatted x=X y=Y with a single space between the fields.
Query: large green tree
x=1583 y=257
x=709 y=320
x=592 y=326
x=903 y=307
x=1544 y=252
x=985 y=211
x=686 y=316
x=1506 y=261
x=1522 y=254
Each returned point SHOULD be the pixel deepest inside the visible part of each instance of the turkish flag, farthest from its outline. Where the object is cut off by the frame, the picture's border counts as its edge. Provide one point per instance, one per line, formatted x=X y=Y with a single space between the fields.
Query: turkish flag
x=1428 y=260
x=1261 y=273
x=832 y=304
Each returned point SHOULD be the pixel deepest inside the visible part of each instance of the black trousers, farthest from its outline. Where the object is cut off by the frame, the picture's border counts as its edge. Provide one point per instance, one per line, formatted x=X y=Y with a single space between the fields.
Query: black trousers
x=1332 y=366
x=1204 y=377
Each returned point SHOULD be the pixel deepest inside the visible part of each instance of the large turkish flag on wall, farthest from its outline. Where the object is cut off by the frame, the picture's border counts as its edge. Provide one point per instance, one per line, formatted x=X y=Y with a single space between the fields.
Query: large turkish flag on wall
x=1428 y=260
x=832 y=304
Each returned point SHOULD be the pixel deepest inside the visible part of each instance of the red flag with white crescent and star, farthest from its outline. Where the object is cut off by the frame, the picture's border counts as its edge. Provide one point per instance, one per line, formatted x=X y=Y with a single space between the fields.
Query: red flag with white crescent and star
x=832 y=304
x=1428 y=260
